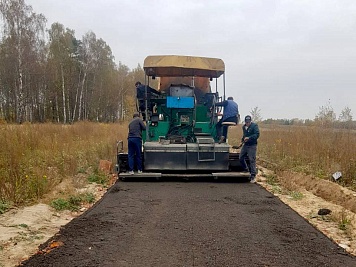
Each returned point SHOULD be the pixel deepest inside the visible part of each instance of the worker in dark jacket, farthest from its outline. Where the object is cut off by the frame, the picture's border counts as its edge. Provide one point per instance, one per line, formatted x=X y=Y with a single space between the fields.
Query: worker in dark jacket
x=249 y=148
x=140 y=95
x=136 y=126
x=230 y=114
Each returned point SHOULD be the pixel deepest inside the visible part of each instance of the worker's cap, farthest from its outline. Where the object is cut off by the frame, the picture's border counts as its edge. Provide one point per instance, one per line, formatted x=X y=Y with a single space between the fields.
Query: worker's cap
x=136 y=114
x=248 y=118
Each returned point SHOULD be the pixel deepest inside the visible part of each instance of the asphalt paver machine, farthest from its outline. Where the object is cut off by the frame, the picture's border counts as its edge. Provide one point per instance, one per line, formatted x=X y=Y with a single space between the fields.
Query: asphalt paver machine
x=181 y=117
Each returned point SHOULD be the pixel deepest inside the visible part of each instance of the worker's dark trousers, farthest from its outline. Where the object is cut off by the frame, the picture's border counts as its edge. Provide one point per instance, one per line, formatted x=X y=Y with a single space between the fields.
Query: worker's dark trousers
x=250 y=152
x=135 y=146
x=224 y=128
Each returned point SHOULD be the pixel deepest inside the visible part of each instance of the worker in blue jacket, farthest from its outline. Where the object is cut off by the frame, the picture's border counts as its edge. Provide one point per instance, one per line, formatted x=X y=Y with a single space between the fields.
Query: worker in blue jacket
x=249 y=146
x=230 y=114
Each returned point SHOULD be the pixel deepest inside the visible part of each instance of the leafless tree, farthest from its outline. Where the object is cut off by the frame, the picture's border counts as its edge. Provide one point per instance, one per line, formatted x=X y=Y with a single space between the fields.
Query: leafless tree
x=345 y=115
x=326 y=115
x=256 y=114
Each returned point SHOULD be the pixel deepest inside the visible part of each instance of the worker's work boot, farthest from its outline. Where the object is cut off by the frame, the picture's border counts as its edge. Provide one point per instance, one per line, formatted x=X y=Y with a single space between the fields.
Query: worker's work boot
x=252 y=180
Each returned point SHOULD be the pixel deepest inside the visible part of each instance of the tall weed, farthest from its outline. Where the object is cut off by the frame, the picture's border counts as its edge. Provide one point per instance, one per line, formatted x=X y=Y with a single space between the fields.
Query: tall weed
x=36 y=157
x=311 y=150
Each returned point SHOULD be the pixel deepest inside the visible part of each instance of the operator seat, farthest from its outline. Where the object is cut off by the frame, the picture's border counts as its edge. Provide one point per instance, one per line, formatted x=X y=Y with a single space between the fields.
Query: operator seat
x=230 y=124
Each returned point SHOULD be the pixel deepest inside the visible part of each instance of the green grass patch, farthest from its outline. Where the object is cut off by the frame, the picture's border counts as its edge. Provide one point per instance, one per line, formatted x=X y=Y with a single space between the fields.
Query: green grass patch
x=271 y=179
x=73 y=202
x=81 y=170
x=276 y=189
x=88 y=198
x=60 y=204
x=344 y=222
x=4 y=206
x=296 y=195
x=28 y=236
x=98 y=177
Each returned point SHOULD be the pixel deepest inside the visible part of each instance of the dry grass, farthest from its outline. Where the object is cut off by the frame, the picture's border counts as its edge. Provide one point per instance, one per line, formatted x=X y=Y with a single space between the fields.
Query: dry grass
x=36 y=157
x=313 y=153
x=304 y=158
x=310 y=150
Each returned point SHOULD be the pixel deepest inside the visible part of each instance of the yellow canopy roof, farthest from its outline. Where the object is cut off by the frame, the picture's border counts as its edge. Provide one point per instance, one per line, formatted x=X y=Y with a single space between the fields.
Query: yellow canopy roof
x=178 y=66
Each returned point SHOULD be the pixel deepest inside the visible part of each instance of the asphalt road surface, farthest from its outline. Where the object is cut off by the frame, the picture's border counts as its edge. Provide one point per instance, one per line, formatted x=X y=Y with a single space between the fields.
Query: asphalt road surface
x=196 y=223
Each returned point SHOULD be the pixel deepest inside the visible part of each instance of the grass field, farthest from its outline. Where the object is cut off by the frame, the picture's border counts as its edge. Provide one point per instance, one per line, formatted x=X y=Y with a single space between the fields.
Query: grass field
x=36 y=157
x=311 y=150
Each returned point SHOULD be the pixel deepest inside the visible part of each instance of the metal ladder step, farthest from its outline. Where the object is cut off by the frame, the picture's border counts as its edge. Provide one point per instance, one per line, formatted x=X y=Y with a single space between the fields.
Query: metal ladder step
x=206 y=147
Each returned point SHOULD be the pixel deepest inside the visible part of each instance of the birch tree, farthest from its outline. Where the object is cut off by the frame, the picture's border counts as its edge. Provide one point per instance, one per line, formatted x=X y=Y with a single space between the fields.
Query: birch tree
x=22 y=32
x=88 y=65
x=124 y=86
x=62 y=55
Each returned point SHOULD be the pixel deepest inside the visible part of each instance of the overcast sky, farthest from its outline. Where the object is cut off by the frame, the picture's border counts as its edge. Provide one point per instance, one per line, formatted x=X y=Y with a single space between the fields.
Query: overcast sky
x=286 y=57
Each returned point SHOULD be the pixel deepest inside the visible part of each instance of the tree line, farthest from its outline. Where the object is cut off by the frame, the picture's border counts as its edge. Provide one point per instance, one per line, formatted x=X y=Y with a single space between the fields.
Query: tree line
x=50 y=75
x=326 y=117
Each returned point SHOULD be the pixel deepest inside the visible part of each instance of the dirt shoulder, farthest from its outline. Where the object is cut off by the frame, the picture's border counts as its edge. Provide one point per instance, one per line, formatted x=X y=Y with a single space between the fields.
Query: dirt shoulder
x=22 y=230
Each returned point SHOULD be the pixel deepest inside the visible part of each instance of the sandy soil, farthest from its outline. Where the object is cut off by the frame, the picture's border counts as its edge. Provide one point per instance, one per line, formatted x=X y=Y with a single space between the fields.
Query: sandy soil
x=23 y=230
